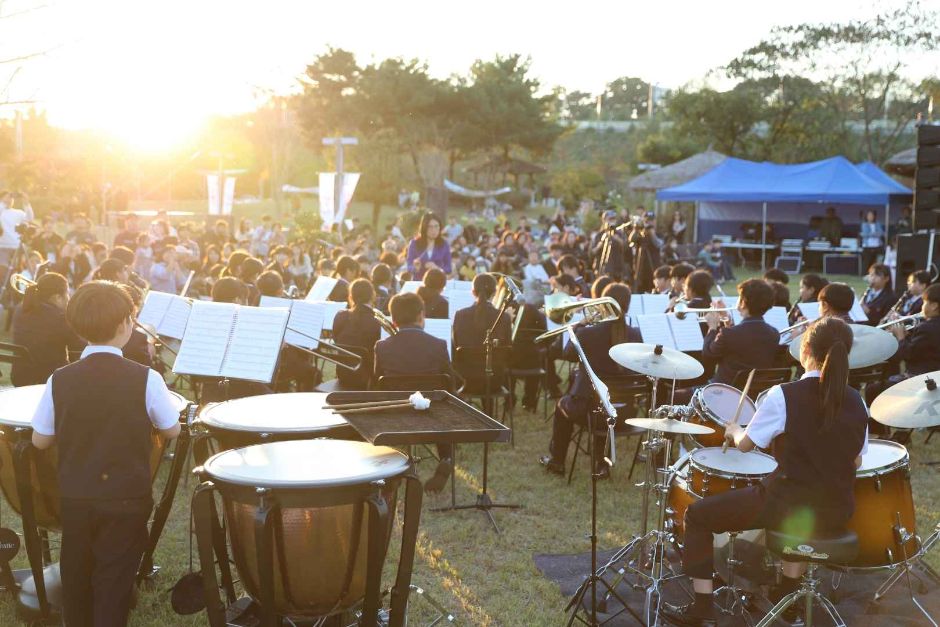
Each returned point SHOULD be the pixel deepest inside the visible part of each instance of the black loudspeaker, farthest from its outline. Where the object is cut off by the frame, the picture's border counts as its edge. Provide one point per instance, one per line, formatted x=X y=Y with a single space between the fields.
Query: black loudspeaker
x=927 y=177
x=437 y=201
x=914 y=254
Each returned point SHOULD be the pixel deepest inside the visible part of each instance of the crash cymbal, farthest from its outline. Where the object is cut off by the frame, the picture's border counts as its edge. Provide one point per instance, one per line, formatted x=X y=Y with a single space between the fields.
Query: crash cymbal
x=870 y=346
x=911 y=404
x=668 y=425
x=656 y=361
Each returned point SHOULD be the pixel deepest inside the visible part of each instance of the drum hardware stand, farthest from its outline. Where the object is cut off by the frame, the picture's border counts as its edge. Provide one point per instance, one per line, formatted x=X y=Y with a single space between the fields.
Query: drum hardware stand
x=736 y=596
x=905 y=567
x=147 y=570
x=483 y=501
x=645 y=555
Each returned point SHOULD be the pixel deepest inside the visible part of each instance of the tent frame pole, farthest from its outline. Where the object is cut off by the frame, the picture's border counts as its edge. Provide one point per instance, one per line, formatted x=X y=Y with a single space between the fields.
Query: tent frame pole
x=763 y=239
x=695 y=225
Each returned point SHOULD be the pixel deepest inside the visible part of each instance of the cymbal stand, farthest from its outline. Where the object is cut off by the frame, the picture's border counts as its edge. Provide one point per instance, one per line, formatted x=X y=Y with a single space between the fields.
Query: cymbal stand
x=645 y=556
x=905 y=567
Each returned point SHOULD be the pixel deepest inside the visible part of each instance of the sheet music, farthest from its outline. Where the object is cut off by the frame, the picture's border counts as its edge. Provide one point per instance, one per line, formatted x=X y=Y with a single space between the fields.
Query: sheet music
x=777 y=318
x=410 y=287
x=307 y=318
x=256 y=343
x=167 y=313
x=458 y=300
x=321 y=289
x=636 y=307
x=655 y=329
x=810 y=311
x=653 y=303
x=857 y=313
x=439 y=328
x=687 y=333
x=205 y=339
x=458 y=285
x=188 y=283
x=330 y=309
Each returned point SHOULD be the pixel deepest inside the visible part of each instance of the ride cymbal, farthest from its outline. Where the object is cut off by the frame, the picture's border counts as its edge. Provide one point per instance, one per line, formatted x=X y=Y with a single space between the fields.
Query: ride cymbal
x=911 y=404
x=656 y=361
x=870 y=346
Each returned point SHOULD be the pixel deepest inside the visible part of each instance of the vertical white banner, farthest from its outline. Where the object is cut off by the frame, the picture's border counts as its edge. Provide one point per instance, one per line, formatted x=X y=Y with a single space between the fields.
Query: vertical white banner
x=212 y=184
x=327 y=195
x=350 y=180
x=228 y=198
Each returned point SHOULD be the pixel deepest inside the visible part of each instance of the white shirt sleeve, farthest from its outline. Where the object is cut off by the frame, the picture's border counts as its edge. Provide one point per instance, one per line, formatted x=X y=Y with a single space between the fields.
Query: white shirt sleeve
x=43 y=421
x=770 y=419
x=160 y=403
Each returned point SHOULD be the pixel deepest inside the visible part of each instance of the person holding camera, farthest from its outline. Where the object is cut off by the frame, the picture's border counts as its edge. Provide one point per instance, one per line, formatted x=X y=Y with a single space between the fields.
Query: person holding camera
x=11 y=219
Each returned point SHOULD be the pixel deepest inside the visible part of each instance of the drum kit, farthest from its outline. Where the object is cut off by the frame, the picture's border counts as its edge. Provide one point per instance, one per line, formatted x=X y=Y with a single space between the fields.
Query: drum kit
x=884 y=517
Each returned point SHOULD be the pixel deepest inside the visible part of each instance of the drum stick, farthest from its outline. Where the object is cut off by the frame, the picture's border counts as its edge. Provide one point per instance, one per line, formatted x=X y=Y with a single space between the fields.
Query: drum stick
x=362 y=410
x=737 y=412
x=367 y=404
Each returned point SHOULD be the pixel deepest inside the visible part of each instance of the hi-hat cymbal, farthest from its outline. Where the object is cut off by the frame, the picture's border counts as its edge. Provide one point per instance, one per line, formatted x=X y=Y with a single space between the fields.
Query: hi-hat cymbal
x=911 y=404
x=668 y=425
x=656 y=361
x=870 y=346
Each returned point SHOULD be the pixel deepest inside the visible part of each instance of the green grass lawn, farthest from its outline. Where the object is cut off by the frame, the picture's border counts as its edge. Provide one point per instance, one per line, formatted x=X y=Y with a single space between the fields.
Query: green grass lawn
x=482 y=577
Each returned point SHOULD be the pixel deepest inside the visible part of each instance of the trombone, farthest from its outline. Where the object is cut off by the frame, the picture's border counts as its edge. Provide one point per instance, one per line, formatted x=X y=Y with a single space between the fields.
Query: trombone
x=561 y=308
x=902 y=320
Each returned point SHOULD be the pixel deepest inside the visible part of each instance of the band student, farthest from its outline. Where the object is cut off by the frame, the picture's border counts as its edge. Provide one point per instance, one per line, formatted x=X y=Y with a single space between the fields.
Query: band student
x=810 y=286
x=912 y=300
x=574 y=406
x=103 y=432
x=357 y=327
x=878 y=297
x=750 y=344
x=823 y=422
x=411 y=351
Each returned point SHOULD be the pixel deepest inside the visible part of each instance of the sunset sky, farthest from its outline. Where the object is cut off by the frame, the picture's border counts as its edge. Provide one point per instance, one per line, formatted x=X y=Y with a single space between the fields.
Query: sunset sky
x=151 y=72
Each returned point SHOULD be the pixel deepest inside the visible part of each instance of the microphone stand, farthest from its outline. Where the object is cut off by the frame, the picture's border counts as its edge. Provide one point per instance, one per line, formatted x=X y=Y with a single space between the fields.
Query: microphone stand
x=483 y=501
x=604 y=409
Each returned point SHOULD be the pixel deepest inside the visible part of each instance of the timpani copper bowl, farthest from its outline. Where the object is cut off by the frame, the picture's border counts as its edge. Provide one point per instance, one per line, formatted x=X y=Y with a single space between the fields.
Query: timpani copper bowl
x=308 y=523
x=272 y=418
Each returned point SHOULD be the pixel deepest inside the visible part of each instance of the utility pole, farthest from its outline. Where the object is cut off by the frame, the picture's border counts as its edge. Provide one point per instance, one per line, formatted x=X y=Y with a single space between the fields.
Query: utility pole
x=339 y=142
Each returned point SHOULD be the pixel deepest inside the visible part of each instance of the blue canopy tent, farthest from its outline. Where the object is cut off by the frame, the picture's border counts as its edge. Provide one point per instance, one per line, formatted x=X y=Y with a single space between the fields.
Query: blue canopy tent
x=834 y=181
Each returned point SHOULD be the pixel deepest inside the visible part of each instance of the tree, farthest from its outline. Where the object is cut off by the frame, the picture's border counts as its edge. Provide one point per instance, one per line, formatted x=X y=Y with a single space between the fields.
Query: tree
x=578 y=105
x=725 y=120
x=625 y=97
x=860 y=63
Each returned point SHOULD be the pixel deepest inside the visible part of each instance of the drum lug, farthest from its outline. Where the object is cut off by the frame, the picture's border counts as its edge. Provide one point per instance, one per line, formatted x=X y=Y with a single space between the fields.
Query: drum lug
x=890 y=554
x=379 y=483
x=264 y=436
x=878 y=483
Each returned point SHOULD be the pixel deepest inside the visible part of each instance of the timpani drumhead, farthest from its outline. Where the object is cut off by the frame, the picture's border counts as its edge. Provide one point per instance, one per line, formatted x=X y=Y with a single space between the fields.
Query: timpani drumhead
x=734 y=462
x=17 y=405
x=298 y=412
x=306 y=464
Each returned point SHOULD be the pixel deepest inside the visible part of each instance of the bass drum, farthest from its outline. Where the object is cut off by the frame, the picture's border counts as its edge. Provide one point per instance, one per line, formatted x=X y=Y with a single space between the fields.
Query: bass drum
x=882 y=496
x=17 y=406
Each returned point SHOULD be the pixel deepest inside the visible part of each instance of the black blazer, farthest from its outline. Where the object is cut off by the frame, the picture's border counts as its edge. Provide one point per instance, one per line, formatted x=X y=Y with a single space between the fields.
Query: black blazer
x=48 y=337
x=340 y=293
x=356 y=327
x=526 y=354
x=920 y=349
x=435 y=305
x=467 y=331
x=411 y=351
x=751 y=344
x=138 y=349
x=879 y=307
x=595 y=340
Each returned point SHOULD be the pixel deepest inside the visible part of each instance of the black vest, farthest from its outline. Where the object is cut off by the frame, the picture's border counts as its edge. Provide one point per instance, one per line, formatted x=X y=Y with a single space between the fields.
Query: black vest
x=815 y=477
x=102 y=429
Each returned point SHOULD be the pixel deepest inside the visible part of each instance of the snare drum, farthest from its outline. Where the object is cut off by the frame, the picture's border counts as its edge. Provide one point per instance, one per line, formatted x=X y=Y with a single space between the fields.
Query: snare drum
x=882 y=493
x=714 y=406
x=273 y=418
x=310 y=505
x=17 y=406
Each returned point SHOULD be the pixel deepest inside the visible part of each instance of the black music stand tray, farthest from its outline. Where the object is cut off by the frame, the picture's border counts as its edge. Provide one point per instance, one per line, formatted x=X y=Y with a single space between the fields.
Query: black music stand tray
x=448 y=420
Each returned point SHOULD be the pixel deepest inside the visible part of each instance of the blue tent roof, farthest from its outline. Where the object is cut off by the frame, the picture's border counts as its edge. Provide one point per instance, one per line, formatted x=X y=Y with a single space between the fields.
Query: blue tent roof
x=833 y=180
x=874 y=172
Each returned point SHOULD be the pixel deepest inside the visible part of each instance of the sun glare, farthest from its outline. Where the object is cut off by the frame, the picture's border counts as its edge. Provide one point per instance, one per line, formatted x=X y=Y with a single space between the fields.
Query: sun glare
x=151 y=133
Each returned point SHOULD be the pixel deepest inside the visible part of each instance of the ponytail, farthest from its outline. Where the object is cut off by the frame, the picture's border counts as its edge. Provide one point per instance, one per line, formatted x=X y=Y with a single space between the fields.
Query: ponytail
x=49 y=285
x=828 y=342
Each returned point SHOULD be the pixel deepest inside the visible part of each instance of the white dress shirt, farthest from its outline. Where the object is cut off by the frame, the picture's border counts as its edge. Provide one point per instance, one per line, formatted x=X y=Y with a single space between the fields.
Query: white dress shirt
x=770 y=420
x=161 y=406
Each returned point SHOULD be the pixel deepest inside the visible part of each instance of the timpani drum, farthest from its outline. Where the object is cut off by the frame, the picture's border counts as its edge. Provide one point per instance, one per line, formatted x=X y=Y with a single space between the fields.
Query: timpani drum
x=273 y=418
x=313 y=511
x=17 y=406
x=714 y=406
x=883 y=501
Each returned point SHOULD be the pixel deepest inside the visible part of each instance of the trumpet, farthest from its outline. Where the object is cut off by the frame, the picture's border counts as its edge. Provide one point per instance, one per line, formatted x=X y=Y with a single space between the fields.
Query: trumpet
x=20 y=284
x=681 y=310
x=798 y=325
x=560 y=309
x=902 y=320
x=384 y=321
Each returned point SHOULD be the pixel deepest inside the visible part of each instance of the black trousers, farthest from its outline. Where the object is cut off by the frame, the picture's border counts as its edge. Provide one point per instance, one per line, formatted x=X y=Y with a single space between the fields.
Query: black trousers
x=571 y=411
x=102 y=543
x=735 y=510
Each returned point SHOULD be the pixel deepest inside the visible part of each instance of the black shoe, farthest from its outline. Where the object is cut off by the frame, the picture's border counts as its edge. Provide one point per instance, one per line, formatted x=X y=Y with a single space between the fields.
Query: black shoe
x=441 y=474
x=686 y=616
x=552 y=466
